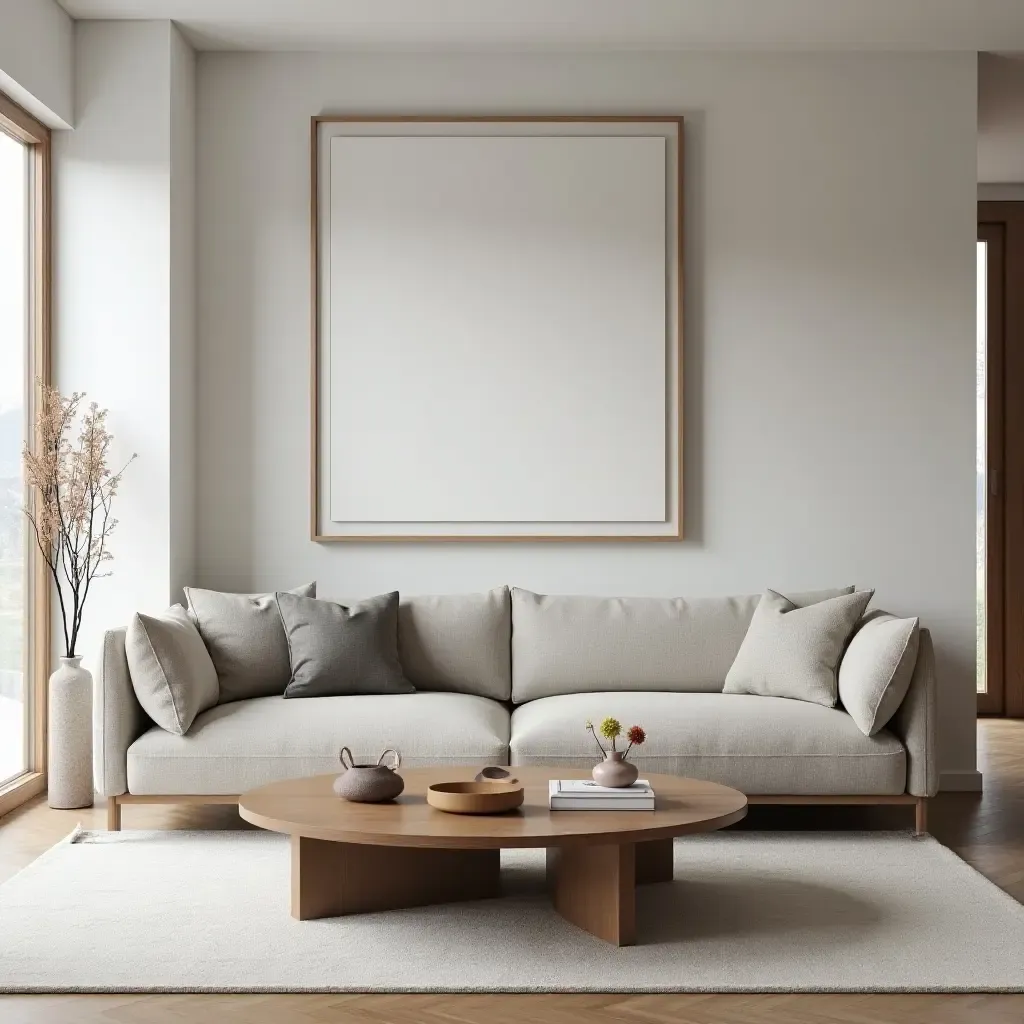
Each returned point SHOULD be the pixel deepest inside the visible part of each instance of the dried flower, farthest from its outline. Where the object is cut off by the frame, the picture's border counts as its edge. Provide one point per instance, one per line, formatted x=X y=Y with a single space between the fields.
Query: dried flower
x=636 y=735
x=590 y=728
x=610 y=728
x=72 y=489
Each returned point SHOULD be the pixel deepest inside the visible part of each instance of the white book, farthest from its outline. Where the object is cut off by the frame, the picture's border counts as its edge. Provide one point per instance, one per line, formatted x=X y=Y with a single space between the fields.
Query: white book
x=585 y=789
x=600 y=805
x=583 y=795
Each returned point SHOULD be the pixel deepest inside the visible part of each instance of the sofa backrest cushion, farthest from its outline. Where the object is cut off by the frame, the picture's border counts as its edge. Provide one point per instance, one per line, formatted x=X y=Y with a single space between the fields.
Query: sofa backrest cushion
x=567 y=644
x=457 y=642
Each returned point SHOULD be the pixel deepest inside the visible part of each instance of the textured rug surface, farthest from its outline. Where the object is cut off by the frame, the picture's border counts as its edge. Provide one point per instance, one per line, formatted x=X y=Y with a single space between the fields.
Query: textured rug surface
x=749 y=911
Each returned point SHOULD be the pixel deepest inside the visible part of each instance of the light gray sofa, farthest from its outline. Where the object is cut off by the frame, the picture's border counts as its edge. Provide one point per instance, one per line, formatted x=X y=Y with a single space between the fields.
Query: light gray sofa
x=510 y=678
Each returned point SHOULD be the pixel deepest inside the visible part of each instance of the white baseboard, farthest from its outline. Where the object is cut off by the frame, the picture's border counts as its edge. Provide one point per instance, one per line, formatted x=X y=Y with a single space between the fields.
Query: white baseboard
x=968 y=781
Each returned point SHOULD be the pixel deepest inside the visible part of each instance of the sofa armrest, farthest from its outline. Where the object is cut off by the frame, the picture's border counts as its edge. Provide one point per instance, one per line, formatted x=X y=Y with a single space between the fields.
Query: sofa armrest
x=117 y=717
x=914 y=723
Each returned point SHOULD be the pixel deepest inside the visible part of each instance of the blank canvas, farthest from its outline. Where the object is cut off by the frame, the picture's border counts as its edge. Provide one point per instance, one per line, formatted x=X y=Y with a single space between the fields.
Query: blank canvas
x=497 y=329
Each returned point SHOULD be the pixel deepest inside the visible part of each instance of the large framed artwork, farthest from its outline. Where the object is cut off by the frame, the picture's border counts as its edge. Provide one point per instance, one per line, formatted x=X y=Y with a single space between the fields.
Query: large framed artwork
x=497 y=328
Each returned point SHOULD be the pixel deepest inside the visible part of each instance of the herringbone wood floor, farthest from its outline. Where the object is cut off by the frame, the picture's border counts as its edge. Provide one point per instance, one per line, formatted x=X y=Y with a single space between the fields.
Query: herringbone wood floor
x=987 y=830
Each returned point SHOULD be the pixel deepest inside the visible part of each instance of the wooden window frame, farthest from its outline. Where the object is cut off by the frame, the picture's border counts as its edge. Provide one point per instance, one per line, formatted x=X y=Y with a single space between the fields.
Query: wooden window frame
x=1004 y=221
x=20 y=125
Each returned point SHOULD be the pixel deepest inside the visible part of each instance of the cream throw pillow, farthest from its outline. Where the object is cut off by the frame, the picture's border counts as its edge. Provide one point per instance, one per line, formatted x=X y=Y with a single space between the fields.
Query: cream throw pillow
x=794 y=652
x=172 y=672
x=875 y=674
x=245 y=637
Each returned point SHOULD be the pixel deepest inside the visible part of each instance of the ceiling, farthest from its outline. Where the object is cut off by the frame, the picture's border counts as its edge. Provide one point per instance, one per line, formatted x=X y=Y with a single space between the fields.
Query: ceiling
x=581 y=24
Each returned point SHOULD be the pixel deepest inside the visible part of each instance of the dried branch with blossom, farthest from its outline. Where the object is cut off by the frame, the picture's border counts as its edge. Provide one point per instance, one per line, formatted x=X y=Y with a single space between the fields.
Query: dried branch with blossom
x=72 y=492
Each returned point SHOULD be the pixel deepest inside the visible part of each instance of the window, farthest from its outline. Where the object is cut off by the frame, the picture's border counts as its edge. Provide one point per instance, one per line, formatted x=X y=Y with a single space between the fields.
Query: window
x=24 y=327
x=14 y=179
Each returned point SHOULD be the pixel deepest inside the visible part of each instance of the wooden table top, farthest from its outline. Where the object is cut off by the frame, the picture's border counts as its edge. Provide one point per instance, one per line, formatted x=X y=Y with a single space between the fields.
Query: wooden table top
x=308 y=807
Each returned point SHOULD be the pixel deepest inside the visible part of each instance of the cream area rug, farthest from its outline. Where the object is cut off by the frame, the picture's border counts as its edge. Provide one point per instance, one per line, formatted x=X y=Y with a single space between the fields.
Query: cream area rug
x=748 y=912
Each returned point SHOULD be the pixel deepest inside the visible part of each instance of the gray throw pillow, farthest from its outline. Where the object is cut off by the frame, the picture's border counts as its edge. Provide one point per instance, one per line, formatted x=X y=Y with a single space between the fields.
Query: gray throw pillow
x=794 y=652
x=172 y=673
x=246 y=640
x=337 y=650
x=875 y=673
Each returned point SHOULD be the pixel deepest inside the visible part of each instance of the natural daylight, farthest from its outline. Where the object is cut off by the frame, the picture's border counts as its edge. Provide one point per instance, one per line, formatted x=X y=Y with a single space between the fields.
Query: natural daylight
x=512 y=511
x=13 y=315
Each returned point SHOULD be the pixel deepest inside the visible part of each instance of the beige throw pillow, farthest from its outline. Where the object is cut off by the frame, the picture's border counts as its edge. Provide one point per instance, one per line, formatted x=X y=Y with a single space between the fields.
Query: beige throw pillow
x=875 y=674
x=245 y=637
x=794 y=652
x=171 y=670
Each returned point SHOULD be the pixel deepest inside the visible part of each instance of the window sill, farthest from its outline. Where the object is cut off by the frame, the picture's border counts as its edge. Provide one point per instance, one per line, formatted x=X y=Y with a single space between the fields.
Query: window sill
x=19 y=790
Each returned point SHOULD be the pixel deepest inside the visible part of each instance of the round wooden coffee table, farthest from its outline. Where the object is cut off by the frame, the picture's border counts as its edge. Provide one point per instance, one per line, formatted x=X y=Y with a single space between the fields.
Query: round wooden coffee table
x=355 y=858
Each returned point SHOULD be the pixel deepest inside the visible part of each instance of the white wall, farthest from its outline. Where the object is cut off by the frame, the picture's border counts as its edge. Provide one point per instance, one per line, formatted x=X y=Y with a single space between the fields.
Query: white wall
x=121 y=181
x=182 y=313
x=1000 y=119
x=36 y=58
x=829 y=355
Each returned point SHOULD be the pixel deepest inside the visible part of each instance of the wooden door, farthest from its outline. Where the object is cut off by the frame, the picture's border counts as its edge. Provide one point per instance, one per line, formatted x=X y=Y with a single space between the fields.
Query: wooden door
x=1000 y=493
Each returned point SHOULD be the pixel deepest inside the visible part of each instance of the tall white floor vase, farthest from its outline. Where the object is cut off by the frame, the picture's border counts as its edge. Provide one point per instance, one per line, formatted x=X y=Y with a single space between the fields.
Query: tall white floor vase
x=69 y=778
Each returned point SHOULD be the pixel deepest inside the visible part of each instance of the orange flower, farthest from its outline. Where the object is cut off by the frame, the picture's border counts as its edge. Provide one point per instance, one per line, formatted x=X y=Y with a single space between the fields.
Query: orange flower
x=636 y=735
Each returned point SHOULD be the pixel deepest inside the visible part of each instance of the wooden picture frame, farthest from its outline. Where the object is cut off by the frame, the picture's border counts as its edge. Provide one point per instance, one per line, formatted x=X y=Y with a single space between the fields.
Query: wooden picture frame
x=671 y=128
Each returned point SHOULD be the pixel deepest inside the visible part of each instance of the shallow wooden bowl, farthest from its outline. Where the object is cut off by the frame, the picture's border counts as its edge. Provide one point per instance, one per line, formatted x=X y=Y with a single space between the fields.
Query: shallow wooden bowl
x=475 y=797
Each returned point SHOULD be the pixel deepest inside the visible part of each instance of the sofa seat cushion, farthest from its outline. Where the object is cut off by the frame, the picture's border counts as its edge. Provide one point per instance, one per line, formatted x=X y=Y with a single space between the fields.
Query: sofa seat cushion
x=758 y=745
x=234 y=747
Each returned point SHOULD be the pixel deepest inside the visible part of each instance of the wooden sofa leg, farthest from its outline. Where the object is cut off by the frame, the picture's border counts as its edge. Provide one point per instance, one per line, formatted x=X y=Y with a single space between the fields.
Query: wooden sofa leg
x=921 y=817
x=113 y=814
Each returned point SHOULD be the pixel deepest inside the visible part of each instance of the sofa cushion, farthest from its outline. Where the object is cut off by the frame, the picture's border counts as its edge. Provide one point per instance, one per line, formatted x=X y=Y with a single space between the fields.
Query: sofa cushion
x=566 y=644
x=759 y=745
x=173 y=676
x=339 y=650
x=234 y=747
x=875 y=672
x=245 y=638
x=794 y=652
x=457 y=642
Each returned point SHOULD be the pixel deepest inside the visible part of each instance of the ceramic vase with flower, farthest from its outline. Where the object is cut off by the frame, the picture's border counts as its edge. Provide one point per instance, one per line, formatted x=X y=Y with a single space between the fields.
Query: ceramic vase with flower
x=615 y=772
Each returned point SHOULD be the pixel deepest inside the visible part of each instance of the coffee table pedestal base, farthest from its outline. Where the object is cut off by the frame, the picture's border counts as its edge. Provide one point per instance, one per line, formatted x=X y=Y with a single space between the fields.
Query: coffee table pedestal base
x=331 y=879
x=594 y=887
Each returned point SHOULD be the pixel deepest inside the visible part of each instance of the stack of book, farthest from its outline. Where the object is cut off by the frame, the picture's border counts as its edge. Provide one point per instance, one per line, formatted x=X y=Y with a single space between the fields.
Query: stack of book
x=584 y=795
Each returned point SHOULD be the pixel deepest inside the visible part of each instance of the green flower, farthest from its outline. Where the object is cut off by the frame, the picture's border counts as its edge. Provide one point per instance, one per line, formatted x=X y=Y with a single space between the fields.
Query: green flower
x=610 y=728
